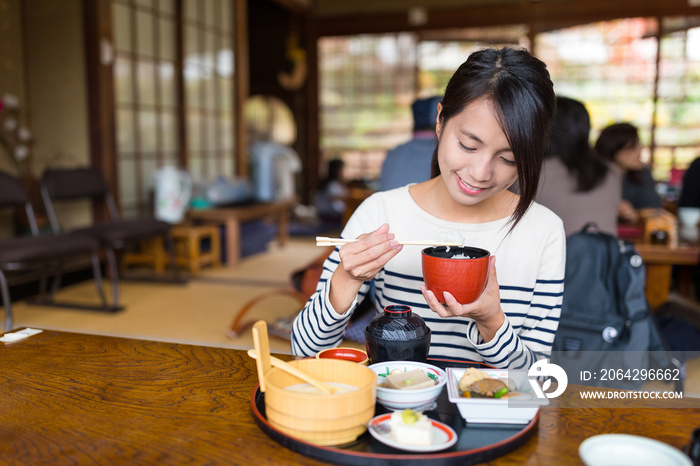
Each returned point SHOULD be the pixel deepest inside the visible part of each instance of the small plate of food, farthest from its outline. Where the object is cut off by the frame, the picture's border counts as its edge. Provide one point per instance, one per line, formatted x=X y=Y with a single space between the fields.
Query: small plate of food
x=410 y=430
x=493 y=396
x=408 y=384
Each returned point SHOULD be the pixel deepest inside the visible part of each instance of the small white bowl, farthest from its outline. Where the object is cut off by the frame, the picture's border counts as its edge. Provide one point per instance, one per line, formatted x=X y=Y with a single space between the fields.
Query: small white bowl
x=689 y=216
x=394 y=399
x=690 y=234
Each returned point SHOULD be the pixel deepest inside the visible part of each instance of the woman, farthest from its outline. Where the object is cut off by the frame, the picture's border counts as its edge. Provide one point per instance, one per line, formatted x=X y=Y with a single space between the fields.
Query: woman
x=491 y=128
x=577 y=183
x=619 y=143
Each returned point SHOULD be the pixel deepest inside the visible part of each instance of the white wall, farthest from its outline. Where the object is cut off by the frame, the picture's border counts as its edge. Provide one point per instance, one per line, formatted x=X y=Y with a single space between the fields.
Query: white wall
x=58 y=91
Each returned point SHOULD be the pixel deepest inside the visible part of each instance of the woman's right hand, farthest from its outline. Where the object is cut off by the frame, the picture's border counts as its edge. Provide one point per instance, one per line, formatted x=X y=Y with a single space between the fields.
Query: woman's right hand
x=360 y=261
x=627 y=213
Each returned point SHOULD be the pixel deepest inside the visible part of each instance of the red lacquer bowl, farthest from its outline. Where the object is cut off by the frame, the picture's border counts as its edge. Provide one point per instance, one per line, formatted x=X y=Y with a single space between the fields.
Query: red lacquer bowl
x=464 y=278
x=348 y=354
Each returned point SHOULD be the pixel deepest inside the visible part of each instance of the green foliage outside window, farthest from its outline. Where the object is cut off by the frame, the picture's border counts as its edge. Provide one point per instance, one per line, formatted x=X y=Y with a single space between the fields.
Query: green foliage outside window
x=369 y=82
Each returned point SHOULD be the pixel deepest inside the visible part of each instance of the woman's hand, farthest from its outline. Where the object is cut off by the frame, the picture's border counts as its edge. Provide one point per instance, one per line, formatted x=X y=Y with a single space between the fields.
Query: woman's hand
x=485 y=311
x=627 y=213
x=360 y=261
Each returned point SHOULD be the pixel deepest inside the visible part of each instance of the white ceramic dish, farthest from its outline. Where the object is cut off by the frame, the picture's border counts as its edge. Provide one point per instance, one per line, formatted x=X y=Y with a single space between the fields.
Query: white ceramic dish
x=404 y=399
x=516 y=409
x=689 y=216
x=443 y=435
x=632 y=450
x=689 y=233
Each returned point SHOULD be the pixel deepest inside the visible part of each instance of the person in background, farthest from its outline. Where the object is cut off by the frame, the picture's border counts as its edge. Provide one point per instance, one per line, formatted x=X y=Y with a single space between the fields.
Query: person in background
x=688 y=205
x=332 y=193
x=690 y=189
x=577 y=183
x=620 y=144
x=410 y=161
x=491 y=130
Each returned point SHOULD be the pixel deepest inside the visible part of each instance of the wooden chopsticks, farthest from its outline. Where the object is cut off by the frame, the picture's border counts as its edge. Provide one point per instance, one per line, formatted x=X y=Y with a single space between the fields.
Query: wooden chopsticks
x=326 y=241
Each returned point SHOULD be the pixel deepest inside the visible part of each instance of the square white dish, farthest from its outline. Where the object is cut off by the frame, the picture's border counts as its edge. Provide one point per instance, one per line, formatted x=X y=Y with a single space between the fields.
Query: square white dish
x=519 y=409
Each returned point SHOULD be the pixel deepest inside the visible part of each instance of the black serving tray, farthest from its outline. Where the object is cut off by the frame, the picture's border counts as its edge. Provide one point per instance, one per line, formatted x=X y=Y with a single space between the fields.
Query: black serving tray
x=477 y=442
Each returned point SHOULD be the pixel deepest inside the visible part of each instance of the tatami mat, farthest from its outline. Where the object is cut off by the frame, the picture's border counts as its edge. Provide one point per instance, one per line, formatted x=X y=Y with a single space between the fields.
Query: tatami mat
x=198 y=312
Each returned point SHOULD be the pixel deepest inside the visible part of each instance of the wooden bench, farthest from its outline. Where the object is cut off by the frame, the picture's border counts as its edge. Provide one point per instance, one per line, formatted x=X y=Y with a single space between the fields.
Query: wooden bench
x=232 y=217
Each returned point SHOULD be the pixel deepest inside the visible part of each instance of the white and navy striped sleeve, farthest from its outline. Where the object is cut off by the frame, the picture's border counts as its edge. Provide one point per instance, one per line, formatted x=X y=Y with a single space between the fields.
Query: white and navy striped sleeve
x=318 y=326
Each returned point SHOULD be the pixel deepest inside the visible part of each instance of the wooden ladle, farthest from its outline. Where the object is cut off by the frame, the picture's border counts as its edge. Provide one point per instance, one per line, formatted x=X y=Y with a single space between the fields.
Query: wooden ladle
x=264 y=360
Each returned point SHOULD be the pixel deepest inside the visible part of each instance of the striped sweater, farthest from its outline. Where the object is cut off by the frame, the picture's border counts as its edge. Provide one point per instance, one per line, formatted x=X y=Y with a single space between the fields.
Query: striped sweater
x=529 y=265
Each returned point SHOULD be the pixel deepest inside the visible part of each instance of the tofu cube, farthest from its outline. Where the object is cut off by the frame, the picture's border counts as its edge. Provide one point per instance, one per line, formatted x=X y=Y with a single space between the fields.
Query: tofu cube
x=419 y=432
x=410 y=380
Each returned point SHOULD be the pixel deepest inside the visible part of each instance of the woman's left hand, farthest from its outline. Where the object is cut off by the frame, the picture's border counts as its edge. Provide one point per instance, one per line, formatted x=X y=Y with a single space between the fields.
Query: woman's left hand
x=485 y=311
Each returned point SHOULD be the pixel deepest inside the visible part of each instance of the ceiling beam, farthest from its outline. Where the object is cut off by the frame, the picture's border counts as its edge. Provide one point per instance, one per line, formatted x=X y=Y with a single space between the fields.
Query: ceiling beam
x=295 y=6
x=542 y=15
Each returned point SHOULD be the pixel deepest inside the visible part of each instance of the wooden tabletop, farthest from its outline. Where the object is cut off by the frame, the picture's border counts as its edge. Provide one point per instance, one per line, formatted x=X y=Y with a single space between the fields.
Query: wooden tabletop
x=667 y=255
x=243 y=212
x=659 y=260
x=70 y=398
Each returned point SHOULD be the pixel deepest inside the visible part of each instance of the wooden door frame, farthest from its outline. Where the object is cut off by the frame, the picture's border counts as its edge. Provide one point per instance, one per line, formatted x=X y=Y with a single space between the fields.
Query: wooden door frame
x=99 y=58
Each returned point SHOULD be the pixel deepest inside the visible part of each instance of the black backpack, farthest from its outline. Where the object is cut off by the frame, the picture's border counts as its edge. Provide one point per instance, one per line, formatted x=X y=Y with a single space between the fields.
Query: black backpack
x=606 y=322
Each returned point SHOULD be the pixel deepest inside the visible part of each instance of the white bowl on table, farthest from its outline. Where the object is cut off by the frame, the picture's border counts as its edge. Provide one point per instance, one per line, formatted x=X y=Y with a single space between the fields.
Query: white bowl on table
x=394 y=399
x=629 y=450
x=689 y=216
x=514 y=409
x=690 y=234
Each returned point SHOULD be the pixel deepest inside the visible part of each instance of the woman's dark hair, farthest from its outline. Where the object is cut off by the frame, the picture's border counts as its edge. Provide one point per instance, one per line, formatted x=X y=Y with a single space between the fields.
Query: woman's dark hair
x=568 y=141
x=519 y=86
x=613 y=139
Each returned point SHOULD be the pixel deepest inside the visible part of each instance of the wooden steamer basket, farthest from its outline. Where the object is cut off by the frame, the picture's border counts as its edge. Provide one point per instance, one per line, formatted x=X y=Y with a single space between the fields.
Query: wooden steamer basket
x=316 y=418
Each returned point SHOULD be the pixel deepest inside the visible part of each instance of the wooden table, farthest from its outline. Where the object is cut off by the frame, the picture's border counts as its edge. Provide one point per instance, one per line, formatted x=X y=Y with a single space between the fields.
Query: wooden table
x=70 y=398
x=659 y=260
x=232 y=217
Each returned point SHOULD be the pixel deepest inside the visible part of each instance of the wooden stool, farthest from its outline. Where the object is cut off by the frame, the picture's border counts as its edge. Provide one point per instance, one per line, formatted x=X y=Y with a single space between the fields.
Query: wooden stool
x=187 y=240
x=151 y=253
x=188 y=246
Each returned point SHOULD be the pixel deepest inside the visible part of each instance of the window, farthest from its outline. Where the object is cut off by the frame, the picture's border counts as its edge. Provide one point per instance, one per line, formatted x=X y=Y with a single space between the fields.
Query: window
x=145 y=97
x=208 y=80
x=609 y=66
x=678 y=106
x=368 y=82
x=147 y=86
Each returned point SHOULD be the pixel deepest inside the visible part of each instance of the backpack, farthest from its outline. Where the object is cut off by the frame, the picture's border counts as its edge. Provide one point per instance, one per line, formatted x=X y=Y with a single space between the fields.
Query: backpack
x=606 y=322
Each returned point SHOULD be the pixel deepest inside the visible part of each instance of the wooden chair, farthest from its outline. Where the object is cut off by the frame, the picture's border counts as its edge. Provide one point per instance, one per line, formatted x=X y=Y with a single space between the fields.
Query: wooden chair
x=47 y=252
x=113 y=235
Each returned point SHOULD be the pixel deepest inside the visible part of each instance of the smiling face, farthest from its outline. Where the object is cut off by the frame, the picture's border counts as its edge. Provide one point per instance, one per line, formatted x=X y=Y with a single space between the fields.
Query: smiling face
x=475 y=158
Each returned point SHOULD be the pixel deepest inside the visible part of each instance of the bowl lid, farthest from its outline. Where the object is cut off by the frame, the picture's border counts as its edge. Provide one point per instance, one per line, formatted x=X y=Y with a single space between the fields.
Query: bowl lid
x=397 y=322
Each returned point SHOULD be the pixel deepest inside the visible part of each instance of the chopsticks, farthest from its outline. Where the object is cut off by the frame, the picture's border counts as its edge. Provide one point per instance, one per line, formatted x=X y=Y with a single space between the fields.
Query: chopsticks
x=326 y=241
